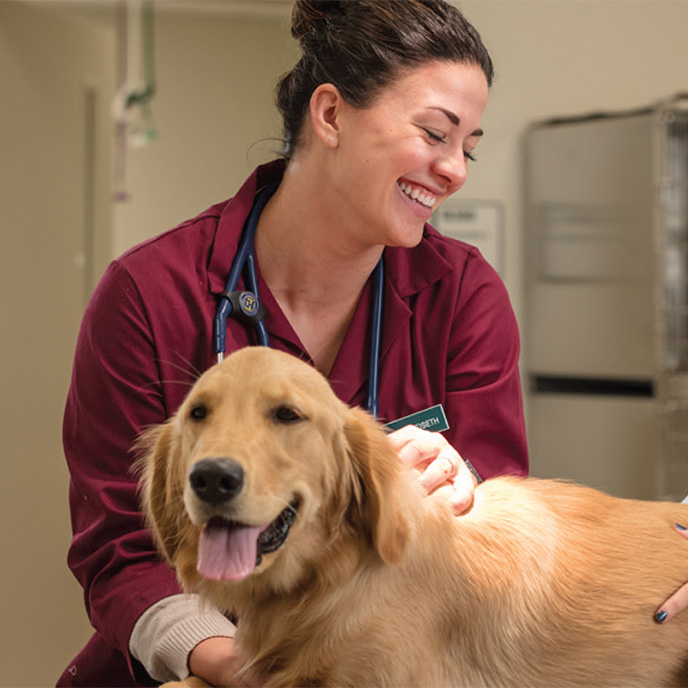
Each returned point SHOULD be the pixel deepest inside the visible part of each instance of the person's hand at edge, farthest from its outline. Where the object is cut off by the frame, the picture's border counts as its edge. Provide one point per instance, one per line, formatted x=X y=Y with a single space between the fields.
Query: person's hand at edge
x=679 y=600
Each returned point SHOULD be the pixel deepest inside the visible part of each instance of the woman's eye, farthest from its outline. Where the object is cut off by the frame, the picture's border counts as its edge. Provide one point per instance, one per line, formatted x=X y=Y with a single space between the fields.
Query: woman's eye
x=434 y=135
x=286 y=414
x=469 y=156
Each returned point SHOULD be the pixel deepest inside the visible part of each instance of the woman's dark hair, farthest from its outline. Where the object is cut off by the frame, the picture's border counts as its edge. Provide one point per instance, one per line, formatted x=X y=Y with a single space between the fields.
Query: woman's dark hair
x=361 y=46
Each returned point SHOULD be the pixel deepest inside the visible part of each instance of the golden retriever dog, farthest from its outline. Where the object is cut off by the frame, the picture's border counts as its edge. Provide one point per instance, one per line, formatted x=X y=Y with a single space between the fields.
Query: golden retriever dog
x=280 y=504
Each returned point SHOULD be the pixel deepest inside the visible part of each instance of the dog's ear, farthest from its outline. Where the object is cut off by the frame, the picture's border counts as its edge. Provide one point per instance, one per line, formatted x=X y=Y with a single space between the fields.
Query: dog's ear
x=162 y=495
x=378 y=468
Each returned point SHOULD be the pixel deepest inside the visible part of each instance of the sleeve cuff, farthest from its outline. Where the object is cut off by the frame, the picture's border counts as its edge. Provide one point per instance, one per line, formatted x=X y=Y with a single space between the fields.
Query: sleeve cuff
x=166 y=633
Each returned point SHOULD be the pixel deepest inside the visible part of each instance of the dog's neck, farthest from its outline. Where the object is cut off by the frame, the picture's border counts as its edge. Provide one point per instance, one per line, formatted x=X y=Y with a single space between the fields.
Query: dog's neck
x=276 y=634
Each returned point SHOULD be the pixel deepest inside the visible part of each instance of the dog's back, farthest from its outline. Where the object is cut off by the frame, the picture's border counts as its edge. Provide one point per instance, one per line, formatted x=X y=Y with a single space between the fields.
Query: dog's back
x=543 y=583
x=559 y=584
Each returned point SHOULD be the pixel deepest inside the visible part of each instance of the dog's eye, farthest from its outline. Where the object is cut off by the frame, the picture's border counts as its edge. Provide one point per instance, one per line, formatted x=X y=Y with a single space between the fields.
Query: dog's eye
x=198 y=412
x=286 y=414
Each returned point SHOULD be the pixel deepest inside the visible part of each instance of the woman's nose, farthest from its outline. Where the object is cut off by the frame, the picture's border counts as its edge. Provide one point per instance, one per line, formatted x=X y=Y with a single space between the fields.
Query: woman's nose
x=452 y=167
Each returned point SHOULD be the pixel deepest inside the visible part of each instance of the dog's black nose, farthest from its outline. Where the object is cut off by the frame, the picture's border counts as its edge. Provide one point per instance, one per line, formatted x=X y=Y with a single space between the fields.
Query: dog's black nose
x=216 y=480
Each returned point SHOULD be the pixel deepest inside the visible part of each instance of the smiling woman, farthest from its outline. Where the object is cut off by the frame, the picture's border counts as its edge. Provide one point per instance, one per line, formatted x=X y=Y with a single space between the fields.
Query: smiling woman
x=381 y=115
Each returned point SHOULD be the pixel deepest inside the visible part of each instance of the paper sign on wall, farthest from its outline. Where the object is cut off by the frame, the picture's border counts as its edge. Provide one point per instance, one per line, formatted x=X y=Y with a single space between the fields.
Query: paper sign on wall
x=479 y=223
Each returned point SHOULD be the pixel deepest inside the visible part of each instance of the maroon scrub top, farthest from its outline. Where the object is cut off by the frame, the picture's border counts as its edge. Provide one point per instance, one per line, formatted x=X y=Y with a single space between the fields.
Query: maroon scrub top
x=449 y=337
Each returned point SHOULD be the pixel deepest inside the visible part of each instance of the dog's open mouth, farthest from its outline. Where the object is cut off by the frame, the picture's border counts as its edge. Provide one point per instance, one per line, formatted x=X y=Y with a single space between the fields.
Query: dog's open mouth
x=231 y=551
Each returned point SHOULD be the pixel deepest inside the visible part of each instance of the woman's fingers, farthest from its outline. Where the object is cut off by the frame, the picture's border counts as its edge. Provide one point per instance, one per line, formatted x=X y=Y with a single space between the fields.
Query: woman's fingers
x=443 y=468
x=464 y=484
x=415 y=446
x=679 y=600
x=439 y=462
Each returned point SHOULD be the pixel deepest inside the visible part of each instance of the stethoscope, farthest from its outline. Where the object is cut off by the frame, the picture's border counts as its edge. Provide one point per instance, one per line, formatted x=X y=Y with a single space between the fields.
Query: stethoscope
x=246 y=307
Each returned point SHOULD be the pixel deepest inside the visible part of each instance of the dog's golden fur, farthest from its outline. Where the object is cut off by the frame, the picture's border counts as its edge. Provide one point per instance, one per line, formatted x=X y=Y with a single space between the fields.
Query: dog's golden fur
x=542 y=583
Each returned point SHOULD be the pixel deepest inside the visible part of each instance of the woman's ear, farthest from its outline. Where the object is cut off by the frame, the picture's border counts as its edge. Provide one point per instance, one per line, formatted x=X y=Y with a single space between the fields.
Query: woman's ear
x=326 y=105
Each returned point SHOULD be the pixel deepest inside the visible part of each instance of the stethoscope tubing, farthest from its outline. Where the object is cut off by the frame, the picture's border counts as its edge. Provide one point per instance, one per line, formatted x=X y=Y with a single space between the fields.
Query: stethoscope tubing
x=245 y=256
x=372 y=402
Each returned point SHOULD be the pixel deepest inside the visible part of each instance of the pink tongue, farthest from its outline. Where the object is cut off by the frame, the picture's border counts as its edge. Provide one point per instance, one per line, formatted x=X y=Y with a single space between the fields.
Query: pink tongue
x=227 y=554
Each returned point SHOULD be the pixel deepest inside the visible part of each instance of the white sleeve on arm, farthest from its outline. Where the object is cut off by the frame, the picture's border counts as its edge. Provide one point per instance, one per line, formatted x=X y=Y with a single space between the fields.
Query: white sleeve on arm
x=165 y=634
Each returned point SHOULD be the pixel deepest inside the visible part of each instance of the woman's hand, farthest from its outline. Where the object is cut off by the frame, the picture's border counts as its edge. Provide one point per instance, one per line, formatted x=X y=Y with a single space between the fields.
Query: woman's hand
x=217 y=661
x=439 y=461
x=679 y=600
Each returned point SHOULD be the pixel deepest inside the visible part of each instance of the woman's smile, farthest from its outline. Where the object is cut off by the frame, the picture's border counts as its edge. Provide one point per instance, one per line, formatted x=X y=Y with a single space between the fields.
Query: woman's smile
x=418 y=194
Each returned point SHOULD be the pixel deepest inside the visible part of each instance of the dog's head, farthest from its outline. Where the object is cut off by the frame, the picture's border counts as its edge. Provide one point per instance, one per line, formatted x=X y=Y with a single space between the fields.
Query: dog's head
x=262 y=469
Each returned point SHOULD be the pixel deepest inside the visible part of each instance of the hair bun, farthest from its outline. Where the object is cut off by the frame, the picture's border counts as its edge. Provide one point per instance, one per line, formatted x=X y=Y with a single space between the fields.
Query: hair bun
x=308 y=15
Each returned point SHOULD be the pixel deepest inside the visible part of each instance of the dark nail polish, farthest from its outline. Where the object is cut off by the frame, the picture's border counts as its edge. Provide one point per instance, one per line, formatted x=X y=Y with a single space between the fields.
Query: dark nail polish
x=680 y=527
x=661 y=616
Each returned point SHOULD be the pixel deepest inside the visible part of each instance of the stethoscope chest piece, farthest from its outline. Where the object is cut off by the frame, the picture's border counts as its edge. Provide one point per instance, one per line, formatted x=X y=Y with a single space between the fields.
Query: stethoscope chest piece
x=246 y=307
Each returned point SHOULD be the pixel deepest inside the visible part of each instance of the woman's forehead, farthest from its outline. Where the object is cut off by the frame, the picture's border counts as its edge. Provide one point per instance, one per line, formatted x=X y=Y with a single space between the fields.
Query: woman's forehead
x=442 y=89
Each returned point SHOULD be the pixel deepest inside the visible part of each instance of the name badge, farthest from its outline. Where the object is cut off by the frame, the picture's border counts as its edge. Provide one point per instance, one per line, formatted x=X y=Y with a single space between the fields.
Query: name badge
x=433 y=419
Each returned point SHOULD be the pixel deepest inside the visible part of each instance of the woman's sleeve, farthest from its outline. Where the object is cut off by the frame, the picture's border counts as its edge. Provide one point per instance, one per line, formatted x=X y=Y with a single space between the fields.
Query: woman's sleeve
x=166 y=633
x=115 y=393
x=484 y=397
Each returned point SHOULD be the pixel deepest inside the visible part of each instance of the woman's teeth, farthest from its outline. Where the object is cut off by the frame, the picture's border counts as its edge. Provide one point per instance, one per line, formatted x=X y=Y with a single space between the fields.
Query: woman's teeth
x=422 y=197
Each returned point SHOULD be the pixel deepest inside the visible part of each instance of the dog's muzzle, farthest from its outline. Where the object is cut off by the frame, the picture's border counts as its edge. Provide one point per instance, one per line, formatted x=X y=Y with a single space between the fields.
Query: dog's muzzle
x=227 y=549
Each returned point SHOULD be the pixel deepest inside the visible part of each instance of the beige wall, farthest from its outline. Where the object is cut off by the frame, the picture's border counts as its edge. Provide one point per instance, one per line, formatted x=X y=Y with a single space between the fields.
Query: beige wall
x=213 y=109
x=564 y=57
x=214 y=103
x=48 y=66
x=215 y=116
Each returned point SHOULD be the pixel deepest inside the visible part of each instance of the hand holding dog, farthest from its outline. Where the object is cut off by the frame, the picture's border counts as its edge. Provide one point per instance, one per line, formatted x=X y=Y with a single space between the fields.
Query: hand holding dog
x=439 y=461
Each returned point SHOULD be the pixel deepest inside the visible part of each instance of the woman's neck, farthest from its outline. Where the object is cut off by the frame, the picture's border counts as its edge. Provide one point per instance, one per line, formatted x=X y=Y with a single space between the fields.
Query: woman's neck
x=305 y=248
x=312 y=266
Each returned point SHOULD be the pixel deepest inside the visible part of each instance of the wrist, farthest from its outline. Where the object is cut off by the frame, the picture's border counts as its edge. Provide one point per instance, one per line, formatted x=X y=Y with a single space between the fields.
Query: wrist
x=215 y=660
